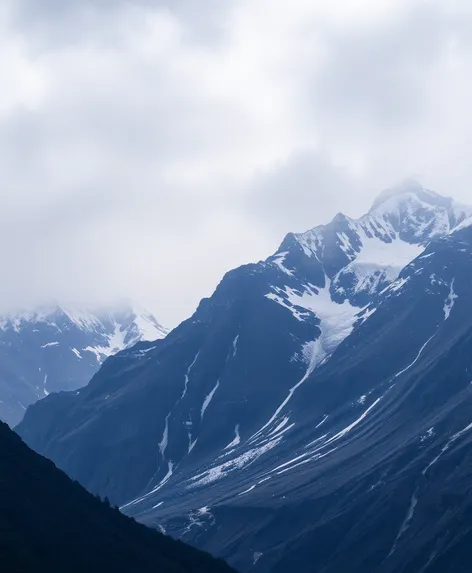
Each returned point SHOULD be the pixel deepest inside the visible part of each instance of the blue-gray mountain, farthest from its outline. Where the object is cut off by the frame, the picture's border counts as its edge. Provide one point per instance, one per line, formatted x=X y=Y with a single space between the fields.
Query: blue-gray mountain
x=59 y=348
x=312 y=415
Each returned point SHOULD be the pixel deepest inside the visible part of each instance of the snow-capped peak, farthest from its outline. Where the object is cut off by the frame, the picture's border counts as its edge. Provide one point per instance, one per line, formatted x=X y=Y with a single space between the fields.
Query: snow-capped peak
x=60 y=347
x=419 y=213
x=361 y=257
x=408 y=190
x=116 y=328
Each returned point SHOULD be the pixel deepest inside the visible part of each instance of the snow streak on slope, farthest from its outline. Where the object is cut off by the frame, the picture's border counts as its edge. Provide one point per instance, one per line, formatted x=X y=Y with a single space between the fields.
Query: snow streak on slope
x=406 y=522
x=415 y=496
x=416 y=358
x=221 y=470
x=455 y=437
x=187 y=376
x=237 y=439
x=165 y=436
x=449 y=301
x=316 y=449
x=208 y=399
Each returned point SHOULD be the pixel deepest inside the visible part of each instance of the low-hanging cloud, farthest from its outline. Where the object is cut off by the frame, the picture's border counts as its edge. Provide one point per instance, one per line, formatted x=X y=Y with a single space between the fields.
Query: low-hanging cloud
x=146 y=147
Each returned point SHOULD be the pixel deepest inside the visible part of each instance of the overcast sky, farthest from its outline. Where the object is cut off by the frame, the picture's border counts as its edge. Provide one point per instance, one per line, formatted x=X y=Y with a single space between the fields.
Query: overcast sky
x=147 y=146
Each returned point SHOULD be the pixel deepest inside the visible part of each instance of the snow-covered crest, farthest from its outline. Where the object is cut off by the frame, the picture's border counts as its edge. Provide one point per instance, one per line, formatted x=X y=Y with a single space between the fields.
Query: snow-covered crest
x=117 y=328
x=358 y=259
x=408 y=213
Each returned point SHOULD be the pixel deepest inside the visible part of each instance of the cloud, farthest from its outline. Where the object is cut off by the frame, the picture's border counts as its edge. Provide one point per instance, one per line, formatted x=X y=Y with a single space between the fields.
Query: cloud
x=306 y=187
x=146 y=147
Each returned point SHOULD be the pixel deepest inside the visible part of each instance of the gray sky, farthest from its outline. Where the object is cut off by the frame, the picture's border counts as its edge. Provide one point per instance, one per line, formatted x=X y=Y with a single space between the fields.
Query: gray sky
x=147 y=146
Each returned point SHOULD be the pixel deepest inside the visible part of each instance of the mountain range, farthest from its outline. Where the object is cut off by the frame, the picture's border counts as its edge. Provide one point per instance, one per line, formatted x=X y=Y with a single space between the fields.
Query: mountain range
x=60 y=348
x=314 y=414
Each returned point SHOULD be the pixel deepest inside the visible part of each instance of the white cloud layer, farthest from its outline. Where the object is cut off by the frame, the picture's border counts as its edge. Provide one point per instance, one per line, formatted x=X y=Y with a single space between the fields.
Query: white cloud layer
x=146 y=147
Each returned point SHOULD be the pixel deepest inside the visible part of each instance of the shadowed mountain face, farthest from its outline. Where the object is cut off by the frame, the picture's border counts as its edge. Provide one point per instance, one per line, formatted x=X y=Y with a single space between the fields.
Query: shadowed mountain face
x=56 y=349
x=49 y=523
x=313 y=414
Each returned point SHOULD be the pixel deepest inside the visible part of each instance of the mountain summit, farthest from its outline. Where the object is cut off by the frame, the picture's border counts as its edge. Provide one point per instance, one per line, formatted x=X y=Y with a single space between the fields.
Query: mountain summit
x=314 y=412
x=60 y=348
x=360 y=257
x=411 y=189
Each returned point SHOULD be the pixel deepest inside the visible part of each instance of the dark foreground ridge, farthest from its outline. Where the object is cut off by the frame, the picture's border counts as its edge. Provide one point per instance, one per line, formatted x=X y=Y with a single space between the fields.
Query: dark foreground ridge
x=50 y=523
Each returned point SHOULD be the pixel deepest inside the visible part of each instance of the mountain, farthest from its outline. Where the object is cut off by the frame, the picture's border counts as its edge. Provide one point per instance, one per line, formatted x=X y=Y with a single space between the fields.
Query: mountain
x=313 y=414
x=59 y=348
x=49 y=523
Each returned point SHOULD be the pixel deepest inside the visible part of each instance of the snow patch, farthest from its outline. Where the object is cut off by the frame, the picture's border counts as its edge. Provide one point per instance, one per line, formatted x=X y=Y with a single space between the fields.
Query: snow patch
x=165 y=437
x=278 y=260
x=447 y=446
x=217 y=472
x=322 y=421
x=416 y=358
x=348 y=428
x=247 y=490
x=187 y=375
x=77 y=353
x=336 y=320
x=237 y=439
x=429 y=434
x=50 y=344
x=448 y=305
x=191 y=443
x=406 y=522
x=208 y=399
x=235 y=345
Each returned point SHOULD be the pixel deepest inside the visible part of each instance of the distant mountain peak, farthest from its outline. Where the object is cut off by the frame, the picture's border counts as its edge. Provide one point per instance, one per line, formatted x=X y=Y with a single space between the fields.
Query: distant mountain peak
x=361 y=256
x=62 y=347
x=407 y=189
x=87 y=319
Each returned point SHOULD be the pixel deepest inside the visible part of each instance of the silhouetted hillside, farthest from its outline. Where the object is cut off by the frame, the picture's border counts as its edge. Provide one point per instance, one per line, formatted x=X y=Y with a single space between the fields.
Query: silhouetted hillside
x=50 y=523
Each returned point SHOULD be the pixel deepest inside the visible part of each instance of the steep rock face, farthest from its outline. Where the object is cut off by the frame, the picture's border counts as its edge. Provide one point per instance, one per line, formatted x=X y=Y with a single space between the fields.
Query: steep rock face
x=309 y=390
x=48 y=523
x=57 y=348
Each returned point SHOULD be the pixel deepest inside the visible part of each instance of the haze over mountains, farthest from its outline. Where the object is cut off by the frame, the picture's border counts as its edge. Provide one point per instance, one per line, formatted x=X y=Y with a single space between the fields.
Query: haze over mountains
x=60 y=348
x=313 y=413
